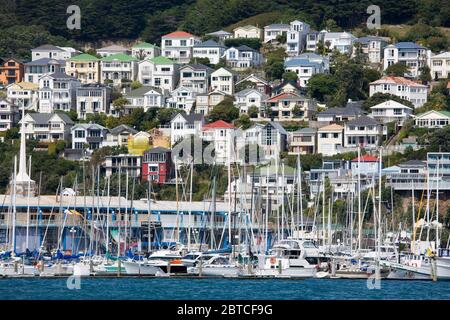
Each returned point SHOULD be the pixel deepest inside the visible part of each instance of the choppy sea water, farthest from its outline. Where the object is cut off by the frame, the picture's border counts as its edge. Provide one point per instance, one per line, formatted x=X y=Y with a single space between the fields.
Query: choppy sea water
x=220 y=289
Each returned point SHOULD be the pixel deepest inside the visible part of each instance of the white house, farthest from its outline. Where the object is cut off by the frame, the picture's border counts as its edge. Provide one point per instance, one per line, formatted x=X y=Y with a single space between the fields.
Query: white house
x=93 y=98
x=118 y=68
x=145 y=97
x=406 y=89
x=88 y=136
x=209 y=49
x=364 y=132
x=221 y=35
x=307 y=65
x=52 y=52
x=24 y=92
x=185 y=125
x=341 y=41
x=330 y=139
x=296 y=37
x=47 y=127
x=257 y=82
x=440 y=65
x=249 y=98
x=37 y=68
x=223 y=80
x=160 y=72
x=290 y=107
x=247 y=32
x=221 y=134
x=119 y=135
x=195 y=77
x=409 y=53
x=372 y=47
x=272 y=31
x=112 y=50
x=303 y=141
x=178 y=46
x=432 y=119
x=205 y=102
x=57 y=91
x=365 y=165
x=9 y=114
x=242 y=57
x=182 y=98
x=390 y=111
x=144 y=50
x=270 y=137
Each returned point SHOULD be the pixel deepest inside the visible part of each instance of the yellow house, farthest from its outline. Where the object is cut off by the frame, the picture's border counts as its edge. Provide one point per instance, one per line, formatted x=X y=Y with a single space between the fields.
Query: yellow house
x=84 y=67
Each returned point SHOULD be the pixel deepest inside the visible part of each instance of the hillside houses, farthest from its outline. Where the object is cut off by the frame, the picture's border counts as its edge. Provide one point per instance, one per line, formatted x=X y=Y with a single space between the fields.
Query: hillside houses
x=189 y=75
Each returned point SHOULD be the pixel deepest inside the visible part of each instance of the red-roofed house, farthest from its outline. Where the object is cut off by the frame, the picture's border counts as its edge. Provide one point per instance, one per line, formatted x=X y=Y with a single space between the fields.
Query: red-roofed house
x=401 y=87
x=369 y=165
x=178 y=46
x=290 y=106
x=221 y=135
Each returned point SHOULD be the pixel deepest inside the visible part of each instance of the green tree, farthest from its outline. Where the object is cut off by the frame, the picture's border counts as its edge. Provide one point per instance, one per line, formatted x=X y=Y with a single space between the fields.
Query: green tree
x=225 y=111
x=289 y=76
x=397 y=70
x=322 y=86
x=253 y=112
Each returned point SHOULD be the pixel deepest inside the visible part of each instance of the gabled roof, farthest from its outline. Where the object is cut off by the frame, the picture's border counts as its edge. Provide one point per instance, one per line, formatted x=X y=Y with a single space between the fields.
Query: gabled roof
x=365 y=158
x=247 y=27
x=332 y=127
x=277 y=126
x=121 y=128
x=306 y=131
x=258 y=79
x=245 y=48
x=197 y=66
x=247 y=91
x=300 y=63
x=119 y=57
x=88 y=126
x=397 y=80
x=161 y=60
x=220 y=33
x=158 y=150
x=278 y=26
x=442 y=55
x=139 y=92
x=390 y=104
x=84 y=57
x=412 y=164
x=47 y=47
x=219 y=124
x=362 y=121
x=445 y=114
x=346 y=112
x=45 y=61
x=113 y=47
x=408 y=45
x=284 y=97
x=61 y=75
x=190 y=118
x=27 y=85
x=144 y=45
x=178 y=34
x=44 y=118
x=210 y=44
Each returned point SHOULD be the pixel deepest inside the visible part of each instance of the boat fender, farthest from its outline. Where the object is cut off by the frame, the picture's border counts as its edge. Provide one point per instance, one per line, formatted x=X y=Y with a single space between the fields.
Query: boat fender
x=273 y=260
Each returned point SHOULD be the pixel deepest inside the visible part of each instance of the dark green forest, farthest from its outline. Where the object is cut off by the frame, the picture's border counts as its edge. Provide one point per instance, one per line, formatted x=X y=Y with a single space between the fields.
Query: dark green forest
x=28 y=23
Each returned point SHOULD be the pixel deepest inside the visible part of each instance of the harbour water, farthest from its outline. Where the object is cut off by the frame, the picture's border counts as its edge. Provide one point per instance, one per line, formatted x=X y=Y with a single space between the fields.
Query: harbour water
x=218 y=289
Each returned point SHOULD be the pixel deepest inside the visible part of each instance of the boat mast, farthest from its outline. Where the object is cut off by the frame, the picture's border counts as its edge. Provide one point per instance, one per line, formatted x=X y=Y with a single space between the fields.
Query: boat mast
x=107 y=214
x=14 y=211
x=437 y=205
x=359 y=200
x=190 y=204
x=28 y=205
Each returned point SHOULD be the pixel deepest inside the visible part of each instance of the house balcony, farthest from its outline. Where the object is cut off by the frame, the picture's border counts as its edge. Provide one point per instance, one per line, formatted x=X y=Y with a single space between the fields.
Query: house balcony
x=94 y=139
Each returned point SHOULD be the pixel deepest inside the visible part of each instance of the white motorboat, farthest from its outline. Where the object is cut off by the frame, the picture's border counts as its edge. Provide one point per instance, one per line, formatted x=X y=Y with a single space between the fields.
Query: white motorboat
x=216 y=266
x=143 y=268
x=290 y=257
